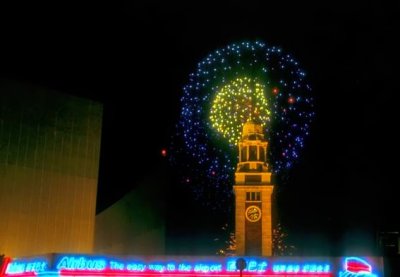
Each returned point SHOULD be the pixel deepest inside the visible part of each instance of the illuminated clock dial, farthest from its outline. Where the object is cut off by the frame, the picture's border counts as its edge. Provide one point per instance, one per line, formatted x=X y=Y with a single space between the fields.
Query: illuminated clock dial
x=253 y=213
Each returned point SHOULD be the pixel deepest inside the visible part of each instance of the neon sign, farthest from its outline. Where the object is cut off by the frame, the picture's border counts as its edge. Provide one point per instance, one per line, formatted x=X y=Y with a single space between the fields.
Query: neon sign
x=253 y=265
x=77 y=264
x=4 y=264
x=90 y=265
x=302 y=268
x=81 y=263
x=19 y=267
x=354 y=266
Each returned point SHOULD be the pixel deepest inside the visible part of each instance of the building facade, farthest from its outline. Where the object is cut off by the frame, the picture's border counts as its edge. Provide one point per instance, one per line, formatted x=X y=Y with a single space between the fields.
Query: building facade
x=49 y=162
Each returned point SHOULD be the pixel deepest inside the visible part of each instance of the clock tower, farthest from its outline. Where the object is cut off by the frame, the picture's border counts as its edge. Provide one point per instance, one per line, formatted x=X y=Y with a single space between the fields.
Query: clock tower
x=253 y=191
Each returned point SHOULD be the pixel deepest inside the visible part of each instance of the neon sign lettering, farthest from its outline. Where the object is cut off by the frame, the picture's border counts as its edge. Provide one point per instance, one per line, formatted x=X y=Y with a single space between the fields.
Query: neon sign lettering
x=208 y=268
x=81 y=263
x=136 y=267
x=18 y=267
x=157 y=267
x=253 y=265
x=184 y=267
x=170 y=267
x=114 y=265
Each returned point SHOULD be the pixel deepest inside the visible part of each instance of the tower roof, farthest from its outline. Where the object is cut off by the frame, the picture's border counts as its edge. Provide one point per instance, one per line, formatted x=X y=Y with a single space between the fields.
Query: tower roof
x=252 y=128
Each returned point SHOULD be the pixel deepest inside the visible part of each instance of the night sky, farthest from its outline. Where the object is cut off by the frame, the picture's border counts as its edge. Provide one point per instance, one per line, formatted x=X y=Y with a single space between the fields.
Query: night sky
x=135 y=57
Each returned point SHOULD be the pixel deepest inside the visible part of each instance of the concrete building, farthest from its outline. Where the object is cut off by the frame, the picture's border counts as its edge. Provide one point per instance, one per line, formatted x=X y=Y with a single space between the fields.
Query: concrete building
x=134 y=225
x=49 y=162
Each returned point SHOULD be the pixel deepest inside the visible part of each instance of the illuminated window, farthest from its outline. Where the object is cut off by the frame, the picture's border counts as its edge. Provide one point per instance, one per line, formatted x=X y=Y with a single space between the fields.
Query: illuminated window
x=262 y=154
x=253 y=153
x=253 y=196
x=244 y=154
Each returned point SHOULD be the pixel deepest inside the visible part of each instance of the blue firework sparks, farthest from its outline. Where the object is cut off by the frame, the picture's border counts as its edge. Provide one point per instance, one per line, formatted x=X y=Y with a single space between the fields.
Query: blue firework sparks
x=206 y=159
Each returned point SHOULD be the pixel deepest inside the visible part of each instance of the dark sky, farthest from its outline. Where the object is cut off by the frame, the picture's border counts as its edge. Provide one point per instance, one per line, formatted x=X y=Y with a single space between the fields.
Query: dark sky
x=137 y=55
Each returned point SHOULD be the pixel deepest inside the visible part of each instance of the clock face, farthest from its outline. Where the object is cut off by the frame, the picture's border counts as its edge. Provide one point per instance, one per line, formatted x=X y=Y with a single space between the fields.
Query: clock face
x=253 y=213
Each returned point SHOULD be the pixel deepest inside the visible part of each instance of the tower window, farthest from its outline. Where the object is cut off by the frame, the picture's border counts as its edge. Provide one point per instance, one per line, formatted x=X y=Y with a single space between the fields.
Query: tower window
x=253 y=153
x=253 y=196
x=262 y=154
x=244 y=154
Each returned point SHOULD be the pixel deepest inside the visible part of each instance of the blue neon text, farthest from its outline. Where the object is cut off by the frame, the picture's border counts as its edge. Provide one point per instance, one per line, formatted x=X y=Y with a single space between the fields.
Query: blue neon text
x=24 y=267
x=252 y=266
x=303 y=268
x=81 y=263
